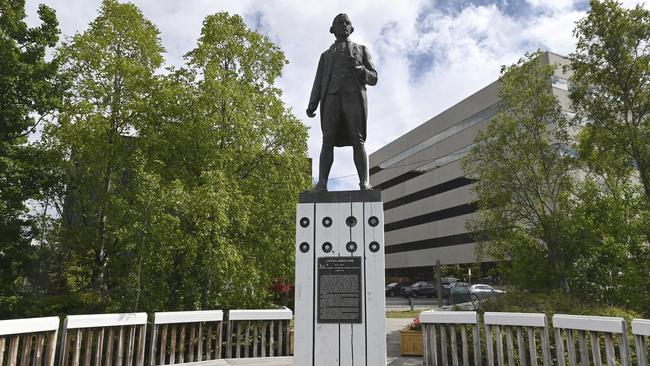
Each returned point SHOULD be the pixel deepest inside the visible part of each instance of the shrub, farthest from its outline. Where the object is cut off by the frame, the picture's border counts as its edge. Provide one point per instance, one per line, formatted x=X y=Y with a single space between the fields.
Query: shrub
x=554 y=302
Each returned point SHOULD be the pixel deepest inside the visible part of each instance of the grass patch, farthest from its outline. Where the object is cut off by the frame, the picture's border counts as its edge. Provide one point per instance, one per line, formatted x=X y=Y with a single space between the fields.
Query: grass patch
x=403 y=314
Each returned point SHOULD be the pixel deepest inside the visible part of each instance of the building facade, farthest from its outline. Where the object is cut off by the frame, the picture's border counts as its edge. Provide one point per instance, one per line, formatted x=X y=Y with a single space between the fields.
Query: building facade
x=428 y=200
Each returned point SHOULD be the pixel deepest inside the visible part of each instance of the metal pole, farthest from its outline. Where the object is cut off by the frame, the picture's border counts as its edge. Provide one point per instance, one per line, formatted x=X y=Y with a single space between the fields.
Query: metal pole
x=439 y=283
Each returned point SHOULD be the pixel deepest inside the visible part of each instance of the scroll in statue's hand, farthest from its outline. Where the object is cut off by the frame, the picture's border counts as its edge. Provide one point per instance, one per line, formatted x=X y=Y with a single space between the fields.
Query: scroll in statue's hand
x=311 y=113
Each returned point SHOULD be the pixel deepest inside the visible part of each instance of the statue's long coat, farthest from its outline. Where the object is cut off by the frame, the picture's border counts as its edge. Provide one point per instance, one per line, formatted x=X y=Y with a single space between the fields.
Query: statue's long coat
x=321 y=82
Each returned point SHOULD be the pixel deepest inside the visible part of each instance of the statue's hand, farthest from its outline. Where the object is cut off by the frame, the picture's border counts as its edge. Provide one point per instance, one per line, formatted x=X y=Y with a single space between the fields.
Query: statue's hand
x=360 y=71
x=311 y=113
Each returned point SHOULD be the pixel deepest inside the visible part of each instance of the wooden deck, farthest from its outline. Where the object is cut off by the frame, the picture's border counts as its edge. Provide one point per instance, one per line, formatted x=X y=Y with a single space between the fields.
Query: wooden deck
x=268 y=361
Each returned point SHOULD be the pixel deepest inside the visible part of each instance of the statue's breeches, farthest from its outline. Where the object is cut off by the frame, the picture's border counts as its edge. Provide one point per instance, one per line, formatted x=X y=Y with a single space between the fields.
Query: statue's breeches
x=343 y=118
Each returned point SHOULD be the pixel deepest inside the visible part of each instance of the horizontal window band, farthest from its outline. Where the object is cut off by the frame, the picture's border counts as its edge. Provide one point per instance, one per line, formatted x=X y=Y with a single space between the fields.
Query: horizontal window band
x=444 y=241
x=453 y=130
x=428 y=192
x=399 y=179
x=431 y=165
x=450 y=212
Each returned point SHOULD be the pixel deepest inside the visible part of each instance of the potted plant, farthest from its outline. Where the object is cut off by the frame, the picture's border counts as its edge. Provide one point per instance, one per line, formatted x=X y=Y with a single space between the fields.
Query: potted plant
x=410 y=343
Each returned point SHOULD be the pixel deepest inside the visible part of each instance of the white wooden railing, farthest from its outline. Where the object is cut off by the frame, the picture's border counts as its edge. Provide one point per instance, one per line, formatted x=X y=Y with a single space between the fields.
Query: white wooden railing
x=120 y=339
x=176 y=337
x=589 y=329
x=523 y=325
x=28 y=341
x=641 y=331
x=185 y=336
x=264 y=332
x=111 y=339
x=578 y=340
x=436 y=325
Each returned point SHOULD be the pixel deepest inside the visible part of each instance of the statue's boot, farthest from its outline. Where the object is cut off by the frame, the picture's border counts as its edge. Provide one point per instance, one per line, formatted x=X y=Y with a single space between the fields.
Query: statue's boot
x=365 y=186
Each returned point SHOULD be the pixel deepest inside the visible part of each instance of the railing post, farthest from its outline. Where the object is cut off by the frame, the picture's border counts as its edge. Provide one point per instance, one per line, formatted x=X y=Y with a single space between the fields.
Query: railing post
x=437 y=321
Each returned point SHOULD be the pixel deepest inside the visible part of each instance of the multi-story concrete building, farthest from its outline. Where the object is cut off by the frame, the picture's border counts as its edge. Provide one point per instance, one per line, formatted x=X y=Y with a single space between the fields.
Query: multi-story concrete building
x=427 y=198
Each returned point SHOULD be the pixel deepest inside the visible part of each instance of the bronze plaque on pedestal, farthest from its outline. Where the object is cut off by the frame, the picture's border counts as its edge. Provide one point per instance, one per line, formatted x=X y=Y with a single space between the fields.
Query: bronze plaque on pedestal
x=339 y=290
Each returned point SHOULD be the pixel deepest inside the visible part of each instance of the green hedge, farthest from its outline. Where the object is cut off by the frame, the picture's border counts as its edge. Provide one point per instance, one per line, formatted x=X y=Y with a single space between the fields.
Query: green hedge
x=551 y=303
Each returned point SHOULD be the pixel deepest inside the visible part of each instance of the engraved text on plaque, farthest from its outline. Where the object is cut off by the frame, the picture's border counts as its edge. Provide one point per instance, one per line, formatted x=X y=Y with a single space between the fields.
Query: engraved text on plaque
x=339 y=290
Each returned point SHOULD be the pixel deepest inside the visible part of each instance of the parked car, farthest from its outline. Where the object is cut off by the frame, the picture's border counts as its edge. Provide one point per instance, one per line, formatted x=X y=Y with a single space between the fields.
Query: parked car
x=393 y=289
x=482 y=291
x=459 y=292
x=446 y=284
x=406 y=287
x=420 y=288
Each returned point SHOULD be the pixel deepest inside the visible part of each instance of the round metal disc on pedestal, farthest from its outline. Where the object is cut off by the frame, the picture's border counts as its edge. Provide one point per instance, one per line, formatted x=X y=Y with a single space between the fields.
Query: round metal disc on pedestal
x=351 y=221
x=373 y=221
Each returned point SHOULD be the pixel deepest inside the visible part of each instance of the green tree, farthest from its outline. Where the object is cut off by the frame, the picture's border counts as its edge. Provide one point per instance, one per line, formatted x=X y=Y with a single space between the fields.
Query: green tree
x=109 y=69
x=29 y=94
x=611 y=94
x=614 y=269
x=222 y=136
x=611 y=89
x=180 y=187
x=525 y=181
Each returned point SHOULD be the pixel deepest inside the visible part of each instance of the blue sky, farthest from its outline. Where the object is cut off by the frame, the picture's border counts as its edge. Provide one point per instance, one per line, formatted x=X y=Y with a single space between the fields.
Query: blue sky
x=429 y=54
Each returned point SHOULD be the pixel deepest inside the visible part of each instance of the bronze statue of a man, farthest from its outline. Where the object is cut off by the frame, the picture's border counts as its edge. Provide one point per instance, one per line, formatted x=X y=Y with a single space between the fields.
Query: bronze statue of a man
x=343 y=72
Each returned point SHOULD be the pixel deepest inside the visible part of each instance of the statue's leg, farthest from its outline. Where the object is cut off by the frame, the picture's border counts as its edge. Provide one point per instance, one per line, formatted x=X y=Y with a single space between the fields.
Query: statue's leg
x=330 y=116
x=353 y=110
x=361 y=163
x=324 y=166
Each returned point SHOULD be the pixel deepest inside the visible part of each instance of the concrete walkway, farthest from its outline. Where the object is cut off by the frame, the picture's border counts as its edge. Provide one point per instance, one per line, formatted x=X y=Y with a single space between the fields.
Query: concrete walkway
x=393 y=325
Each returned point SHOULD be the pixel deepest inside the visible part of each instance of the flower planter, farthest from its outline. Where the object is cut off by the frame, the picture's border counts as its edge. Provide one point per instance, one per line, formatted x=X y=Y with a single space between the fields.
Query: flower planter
x=410 y=342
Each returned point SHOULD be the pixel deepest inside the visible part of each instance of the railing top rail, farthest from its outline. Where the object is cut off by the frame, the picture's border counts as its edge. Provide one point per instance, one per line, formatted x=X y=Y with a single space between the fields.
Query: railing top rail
x=174 y=317
x=516 y=319
x=264 y=314
x=31 y=325
x=448 y=317
x=105 y=320
x=589 y=323
x=641 y=327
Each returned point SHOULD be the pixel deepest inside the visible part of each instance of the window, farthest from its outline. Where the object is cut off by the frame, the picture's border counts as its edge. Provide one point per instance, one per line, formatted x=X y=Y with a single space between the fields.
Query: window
x=468 y=122
x=560 y=83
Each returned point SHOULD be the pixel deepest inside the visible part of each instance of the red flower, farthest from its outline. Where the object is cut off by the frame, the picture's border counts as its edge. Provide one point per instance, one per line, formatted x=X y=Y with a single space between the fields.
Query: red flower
x=281 y=287
x=415 y=324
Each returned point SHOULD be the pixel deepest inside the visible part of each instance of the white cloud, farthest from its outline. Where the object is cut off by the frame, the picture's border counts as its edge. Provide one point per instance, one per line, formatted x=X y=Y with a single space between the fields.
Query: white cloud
x=460 y=52
x=632 y=3
x=554 y=5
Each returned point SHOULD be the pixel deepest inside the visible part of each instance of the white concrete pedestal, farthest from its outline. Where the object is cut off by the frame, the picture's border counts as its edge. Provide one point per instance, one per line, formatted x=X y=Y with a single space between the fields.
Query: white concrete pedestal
x=340 y=302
